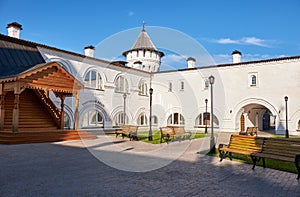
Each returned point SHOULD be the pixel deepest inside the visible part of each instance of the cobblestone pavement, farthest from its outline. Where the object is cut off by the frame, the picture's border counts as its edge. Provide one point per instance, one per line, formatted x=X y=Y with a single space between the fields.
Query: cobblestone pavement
x=69 y=169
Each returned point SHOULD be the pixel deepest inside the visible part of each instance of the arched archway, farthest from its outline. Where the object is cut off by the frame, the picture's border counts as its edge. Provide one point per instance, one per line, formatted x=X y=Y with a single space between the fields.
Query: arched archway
x=256 y=115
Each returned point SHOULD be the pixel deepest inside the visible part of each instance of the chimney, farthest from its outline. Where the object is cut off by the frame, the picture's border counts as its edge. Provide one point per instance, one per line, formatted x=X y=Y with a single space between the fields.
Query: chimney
x=191 y=62
x=236 y=56
x=89 y=51
x=13 y=29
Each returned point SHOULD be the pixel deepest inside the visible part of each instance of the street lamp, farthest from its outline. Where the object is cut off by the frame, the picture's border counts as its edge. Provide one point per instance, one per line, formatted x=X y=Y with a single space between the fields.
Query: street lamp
x=205 y=117
x=212 y=138
x=150 y=129
x=286 y=117
x=124 y=118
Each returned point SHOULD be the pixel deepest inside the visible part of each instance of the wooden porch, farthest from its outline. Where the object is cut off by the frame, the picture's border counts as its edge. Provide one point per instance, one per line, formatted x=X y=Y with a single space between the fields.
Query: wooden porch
x=27 y=114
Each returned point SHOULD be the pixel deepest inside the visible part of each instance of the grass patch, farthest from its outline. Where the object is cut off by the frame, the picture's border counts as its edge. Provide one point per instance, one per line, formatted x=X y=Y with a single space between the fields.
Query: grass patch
x=270 y=163
x=283 y=137
x=143 y=136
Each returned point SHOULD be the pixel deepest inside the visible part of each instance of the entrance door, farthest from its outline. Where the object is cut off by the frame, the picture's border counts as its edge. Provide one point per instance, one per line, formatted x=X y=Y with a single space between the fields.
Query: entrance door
x=266 y=121
x=242 y=123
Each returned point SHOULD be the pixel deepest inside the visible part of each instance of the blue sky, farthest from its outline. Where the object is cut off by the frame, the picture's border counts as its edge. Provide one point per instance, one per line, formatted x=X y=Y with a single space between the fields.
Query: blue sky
x=260 y=29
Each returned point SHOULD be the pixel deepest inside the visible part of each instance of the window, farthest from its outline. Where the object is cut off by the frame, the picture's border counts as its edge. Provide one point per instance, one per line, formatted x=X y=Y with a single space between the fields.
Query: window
x=170 y=87
x=154 y=120
x=175 y=119
x=121 y=85
x=204 y=119
x=142 y=119
x=92 y=119
x=143 y=90
x=253 y=80
x=66 y=121
x=199 y=120
x=93 y=79
x=119 y=119
x=182 y=85
x=298 y=125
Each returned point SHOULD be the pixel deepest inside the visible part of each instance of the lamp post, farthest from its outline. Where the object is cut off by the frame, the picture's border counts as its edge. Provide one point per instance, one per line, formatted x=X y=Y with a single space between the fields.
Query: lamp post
x=124 y=118
x=212 y=138
x=150 y=119
x=286 y=117
x=205 y=117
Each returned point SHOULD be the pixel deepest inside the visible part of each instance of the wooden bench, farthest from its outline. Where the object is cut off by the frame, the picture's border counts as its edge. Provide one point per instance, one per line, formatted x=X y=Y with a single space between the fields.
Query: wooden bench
x=287 y=150
x=129 y=131
x=249 y=131
x=174 y=132
x=240 y=144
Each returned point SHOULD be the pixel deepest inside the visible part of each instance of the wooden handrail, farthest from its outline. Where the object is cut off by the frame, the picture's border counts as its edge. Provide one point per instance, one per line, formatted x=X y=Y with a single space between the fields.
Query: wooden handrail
x=50 y=106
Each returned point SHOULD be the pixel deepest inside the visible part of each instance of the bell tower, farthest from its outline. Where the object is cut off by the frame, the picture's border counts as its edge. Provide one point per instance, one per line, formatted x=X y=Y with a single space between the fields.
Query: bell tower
x=143 y=55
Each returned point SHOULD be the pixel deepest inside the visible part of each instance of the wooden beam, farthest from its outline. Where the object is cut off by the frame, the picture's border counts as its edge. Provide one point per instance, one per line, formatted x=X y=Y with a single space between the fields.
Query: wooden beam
x=76 y=115
x=16 y=110
x=62 y=112
x=2 y=106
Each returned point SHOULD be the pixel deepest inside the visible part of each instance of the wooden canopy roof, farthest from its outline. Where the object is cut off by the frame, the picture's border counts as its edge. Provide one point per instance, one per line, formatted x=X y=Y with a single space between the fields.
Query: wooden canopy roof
x=47 y=76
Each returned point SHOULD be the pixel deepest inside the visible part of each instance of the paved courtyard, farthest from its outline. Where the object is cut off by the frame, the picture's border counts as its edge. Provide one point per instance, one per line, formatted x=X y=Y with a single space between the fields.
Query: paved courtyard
x=71 y=169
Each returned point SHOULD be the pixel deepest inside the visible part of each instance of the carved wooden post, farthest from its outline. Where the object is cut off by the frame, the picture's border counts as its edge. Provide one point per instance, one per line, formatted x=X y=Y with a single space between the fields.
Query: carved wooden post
x=62 y=112
x=2 y=108
x=76 y=115
x=15 y=121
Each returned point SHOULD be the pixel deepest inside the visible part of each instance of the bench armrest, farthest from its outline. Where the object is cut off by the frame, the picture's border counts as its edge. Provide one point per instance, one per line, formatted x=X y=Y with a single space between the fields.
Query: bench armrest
x=223 y=146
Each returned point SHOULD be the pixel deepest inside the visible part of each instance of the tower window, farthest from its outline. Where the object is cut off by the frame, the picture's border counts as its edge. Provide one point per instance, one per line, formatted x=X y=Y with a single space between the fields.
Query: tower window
x=170 y=87
x=182 y=85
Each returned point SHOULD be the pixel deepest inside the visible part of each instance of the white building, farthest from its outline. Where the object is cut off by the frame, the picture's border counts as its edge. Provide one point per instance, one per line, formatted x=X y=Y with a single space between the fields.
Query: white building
x=245 y=93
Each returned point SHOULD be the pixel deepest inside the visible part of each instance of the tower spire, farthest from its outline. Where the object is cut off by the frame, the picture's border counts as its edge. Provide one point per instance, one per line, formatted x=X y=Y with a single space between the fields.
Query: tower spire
x=144 y=23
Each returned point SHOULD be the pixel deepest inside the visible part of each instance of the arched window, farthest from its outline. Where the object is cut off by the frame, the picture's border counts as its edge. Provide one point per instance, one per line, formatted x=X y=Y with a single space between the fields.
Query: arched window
x=121 y=85
x=66 y=121
x=253 y=80
x=298 y=125
x=142 y=120
x=92 y=119
x=204 y=119
x=93 y=79
x=216 y=121
x=198 y=121
x=175 y=119
x=119 y=119
x=154 y=120
x=143 y=90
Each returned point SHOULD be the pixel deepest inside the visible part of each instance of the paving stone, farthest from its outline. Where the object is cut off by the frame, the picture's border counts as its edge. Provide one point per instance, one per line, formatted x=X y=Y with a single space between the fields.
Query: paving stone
x=69 y=169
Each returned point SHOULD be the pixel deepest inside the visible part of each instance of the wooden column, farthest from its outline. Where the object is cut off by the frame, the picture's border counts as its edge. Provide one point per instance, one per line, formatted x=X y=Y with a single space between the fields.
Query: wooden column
x=15 y=120
x=2 y=106
x=76 y=115
x=62 y=111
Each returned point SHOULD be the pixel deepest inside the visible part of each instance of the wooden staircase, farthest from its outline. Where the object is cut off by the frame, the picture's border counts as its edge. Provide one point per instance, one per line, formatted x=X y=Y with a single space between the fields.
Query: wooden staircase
x=33 y=114
x=27 y=137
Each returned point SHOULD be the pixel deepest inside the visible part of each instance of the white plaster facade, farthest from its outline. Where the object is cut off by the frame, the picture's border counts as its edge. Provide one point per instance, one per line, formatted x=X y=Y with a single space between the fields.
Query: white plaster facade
x=251 y=92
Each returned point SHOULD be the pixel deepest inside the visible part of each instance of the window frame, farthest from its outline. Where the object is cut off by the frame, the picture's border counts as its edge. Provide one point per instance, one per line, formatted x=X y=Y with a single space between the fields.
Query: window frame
x=121 y=85
x=89 y=81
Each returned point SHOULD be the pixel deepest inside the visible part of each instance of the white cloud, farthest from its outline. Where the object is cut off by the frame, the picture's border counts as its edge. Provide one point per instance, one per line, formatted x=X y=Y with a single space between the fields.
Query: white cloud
x=173 y=61
x=254 y=41
x=227 y=41
x=131 y=13
x=245 y=41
